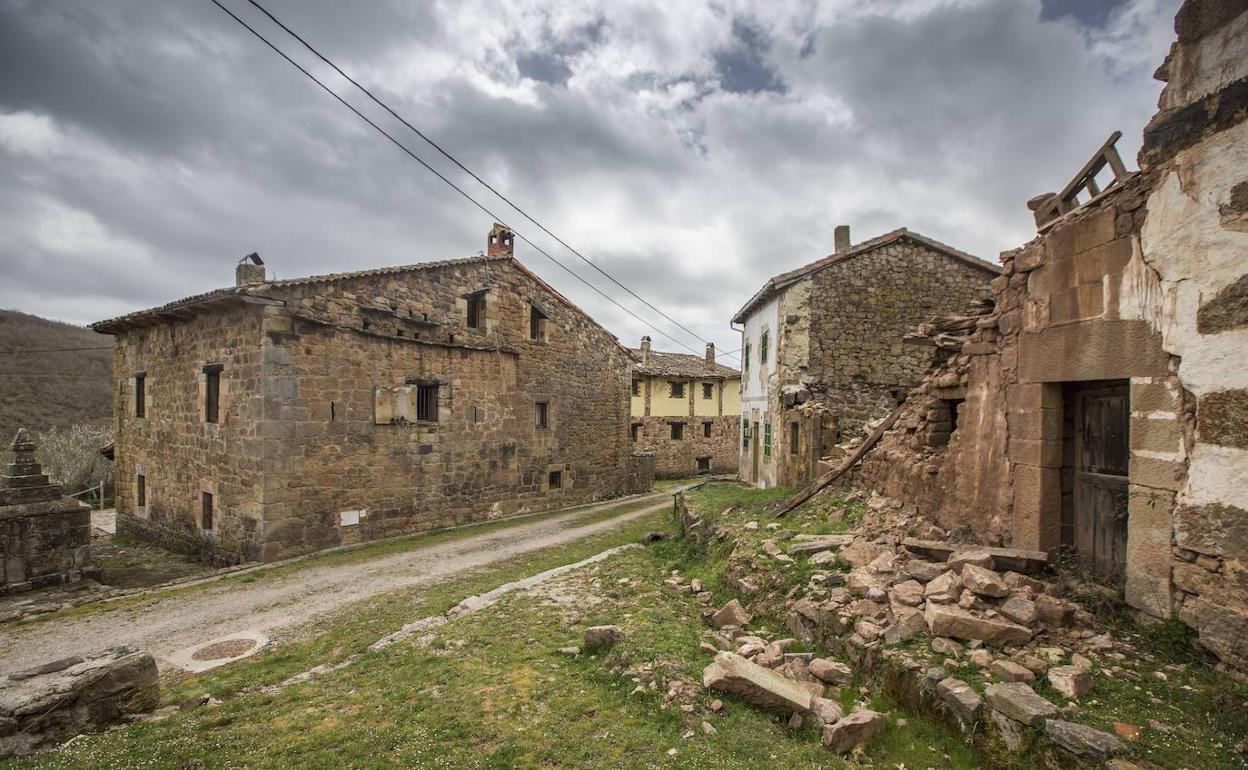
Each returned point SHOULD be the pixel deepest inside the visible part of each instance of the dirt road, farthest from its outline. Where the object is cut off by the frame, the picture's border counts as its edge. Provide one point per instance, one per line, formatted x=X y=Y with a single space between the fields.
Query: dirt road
x=274 y=604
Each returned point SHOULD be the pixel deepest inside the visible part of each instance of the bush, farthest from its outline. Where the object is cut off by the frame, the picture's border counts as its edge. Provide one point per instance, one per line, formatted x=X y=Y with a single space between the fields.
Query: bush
x=71 y=457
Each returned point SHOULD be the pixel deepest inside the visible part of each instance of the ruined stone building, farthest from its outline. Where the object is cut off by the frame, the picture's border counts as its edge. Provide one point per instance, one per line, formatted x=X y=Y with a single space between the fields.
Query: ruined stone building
x=1102 y=407
x=685 y=410
x=823 y=351
x=278 y=417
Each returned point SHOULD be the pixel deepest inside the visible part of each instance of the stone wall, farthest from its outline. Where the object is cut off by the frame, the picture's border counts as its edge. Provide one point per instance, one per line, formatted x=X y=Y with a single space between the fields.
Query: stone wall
x=679 y=458
x=301 y=459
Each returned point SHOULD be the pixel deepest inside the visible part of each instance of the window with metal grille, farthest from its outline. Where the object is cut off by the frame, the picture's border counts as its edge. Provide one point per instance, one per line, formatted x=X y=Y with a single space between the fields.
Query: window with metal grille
x=205 y=521
x=708 y=390
x=678 y=431
x=706 y=430
x=427 y=403
x=745 y=435
x=212 y=392
x=476 y=309
x=541 y=414
x=766 y=439
x=762 y=348
x=678 y=389
x=140 y=395
x=555 y=479
x=140 y=491
x=745 y=357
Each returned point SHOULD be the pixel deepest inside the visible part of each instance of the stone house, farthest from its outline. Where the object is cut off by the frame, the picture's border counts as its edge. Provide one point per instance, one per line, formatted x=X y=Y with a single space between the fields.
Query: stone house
x=1102 y=406
x=274 y=417
x=823 y=350
x=686 y=410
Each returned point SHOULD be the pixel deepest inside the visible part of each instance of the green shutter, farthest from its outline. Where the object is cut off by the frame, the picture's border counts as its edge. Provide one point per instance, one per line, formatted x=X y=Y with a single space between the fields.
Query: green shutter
x=762 y=353
x=766 y=439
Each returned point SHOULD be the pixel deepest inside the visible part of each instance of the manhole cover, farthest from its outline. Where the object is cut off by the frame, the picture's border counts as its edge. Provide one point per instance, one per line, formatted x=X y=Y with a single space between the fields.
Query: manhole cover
x=230 y=648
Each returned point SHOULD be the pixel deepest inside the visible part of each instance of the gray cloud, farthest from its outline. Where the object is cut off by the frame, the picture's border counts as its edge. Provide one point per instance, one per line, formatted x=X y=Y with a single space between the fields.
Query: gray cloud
x=691 y=150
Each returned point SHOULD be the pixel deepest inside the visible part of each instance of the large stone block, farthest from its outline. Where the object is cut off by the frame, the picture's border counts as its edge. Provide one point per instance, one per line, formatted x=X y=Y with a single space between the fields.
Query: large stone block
x=759 y=686
x=1222 y=418
x=1149 y=397
x=1035 y=424
x=1216 y=528
x=1037 y=507
x=1160 y=434
x=1150 y=517
x=1156 y=473
x=1227 y=310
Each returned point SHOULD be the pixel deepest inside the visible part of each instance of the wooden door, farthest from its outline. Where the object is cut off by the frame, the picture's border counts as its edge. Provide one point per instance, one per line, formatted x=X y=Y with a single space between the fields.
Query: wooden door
x=1100 y=477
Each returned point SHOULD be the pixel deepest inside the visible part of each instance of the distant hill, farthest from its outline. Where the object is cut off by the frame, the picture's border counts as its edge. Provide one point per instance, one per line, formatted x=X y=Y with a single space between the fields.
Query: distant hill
x=42 y=390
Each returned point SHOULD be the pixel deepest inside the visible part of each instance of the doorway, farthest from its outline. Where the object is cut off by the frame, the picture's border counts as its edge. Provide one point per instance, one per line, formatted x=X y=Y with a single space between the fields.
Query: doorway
x=1094 y=475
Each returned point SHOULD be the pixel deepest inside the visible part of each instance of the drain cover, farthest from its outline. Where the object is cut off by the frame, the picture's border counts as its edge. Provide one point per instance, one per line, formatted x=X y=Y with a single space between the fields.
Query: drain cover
x=229 y=648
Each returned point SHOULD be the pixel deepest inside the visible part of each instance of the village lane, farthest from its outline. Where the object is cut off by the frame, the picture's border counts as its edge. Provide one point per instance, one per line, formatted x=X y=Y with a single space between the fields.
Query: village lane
x=277 y=604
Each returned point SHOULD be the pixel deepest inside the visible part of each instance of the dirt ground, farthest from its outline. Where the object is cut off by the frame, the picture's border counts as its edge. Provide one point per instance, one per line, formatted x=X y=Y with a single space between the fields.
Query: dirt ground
x=278 y=604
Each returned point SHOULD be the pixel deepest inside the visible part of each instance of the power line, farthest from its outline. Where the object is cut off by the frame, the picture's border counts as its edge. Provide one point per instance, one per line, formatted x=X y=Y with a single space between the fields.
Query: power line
x=54 y=350
x=470 y=172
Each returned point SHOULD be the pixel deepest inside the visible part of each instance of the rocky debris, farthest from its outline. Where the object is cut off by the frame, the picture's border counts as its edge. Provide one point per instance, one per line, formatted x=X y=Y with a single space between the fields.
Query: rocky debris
x=1054 y=612
x=831 y=671
x=1009 y=671
x=41 y=709
x=925 y=571
x=824 y=712
x=731 y=614
x=1082 y=740
x=597 y=637
x=818 y=543
x=959 y=559
x=1019 y=702
x=983 y=581
x=944 y=589
x=755 y=684
x=909 y=592
x=1070 y=681
x=960 y=696
x=1020 y=610
x=952 y=621
x=853 y=730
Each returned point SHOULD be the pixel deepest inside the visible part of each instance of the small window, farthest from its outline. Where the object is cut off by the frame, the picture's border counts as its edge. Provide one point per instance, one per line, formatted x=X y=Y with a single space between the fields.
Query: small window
x=704 y=463
x=636 y=387
x=745 y=357
x=678 y=389
x=762 y=348
x=794 y=438
x=541 y=414
x=708 y=391
x=537 y=323
x=140 y=491
x=476 y=309
x=706 y=429
x=205 y=521
x=556 y=479
x=678 y=431
x=636 y=430
x=745 y=435
x=140 y=395
x=427 y=403
x=212 y=392
x=766 y=439
x=952 y=404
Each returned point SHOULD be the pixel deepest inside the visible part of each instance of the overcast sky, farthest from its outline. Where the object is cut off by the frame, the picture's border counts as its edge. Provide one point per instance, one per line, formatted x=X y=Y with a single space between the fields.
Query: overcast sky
x=693 y=150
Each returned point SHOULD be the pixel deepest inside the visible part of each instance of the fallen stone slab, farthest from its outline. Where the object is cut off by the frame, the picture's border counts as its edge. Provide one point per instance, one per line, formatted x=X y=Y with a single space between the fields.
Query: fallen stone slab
x=959 y=559
x=831 y=671
x=1081 y=740
x=984 y=581
x=824 y=711
x=945 y=588
x=1015 y=559
x=1020 y=610
x=1071 y=681
x=960 y=696
x=925 y=571
x=1009 y=671
x=756 y=685
x=731 y=614
x=817 y=543
x=46 y=709
x=1019 y=702
x=853 y=730
x=955 y=622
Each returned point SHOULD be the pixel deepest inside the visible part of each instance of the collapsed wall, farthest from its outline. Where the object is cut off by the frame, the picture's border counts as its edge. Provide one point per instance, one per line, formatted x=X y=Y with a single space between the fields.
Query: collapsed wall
x=1102 y=406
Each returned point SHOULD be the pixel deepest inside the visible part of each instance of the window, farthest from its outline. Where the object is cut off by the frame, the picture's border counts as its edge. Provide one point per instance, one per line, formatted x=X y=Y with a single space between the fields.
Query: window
x=704 y=463
x=678 y=431
x=706 y=430
x=766 y=439
x=212 y=392
x=476 y=309
x=708 y=390
x=427 y=403
x=636 y=429
x=762 y=347
x=745 y=358
x=140 y=491
x=745 y=435
x=678 y=389
x=636 y=387
x=140 y=395
x=541 y=414
x=794 y=438
x=205 y=521
x=555 y=479
x=537 y=323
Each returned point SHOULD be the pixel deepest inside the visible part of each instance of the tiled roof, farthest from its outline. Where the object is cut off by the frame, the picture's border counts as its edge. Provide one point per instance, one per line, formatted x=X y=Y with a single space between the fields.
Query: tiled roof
x=680 y=365
x=784 y=279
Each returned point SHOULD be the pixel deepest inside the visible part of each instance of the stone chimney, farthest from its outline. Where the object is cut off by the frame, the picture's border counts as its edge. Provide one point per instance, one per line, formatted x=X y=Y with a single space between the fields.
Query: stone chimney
x=250 y=270
x=645 y=350
x=840 y=237
x=710 y=352
x=500 y=243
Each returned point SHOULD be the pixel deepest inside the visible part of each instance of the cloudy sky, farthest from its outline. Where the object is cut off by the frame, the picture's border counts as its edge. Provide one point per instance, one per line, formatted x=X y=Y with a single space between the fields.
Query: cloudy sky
x=691 y=149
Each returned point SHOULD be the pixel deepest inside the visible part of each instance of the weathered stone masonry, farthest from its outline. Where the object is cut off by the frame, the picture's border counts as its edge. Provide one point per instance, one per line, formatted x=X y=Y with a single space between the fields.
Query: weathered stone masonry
x=1144 y=285
x=321 y=440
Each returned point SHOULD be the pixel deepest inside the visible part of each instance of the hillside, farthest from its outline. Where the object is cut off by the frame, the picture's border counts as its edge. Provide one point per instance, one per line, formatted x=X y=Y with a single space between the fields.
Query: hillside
x=41 y=390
